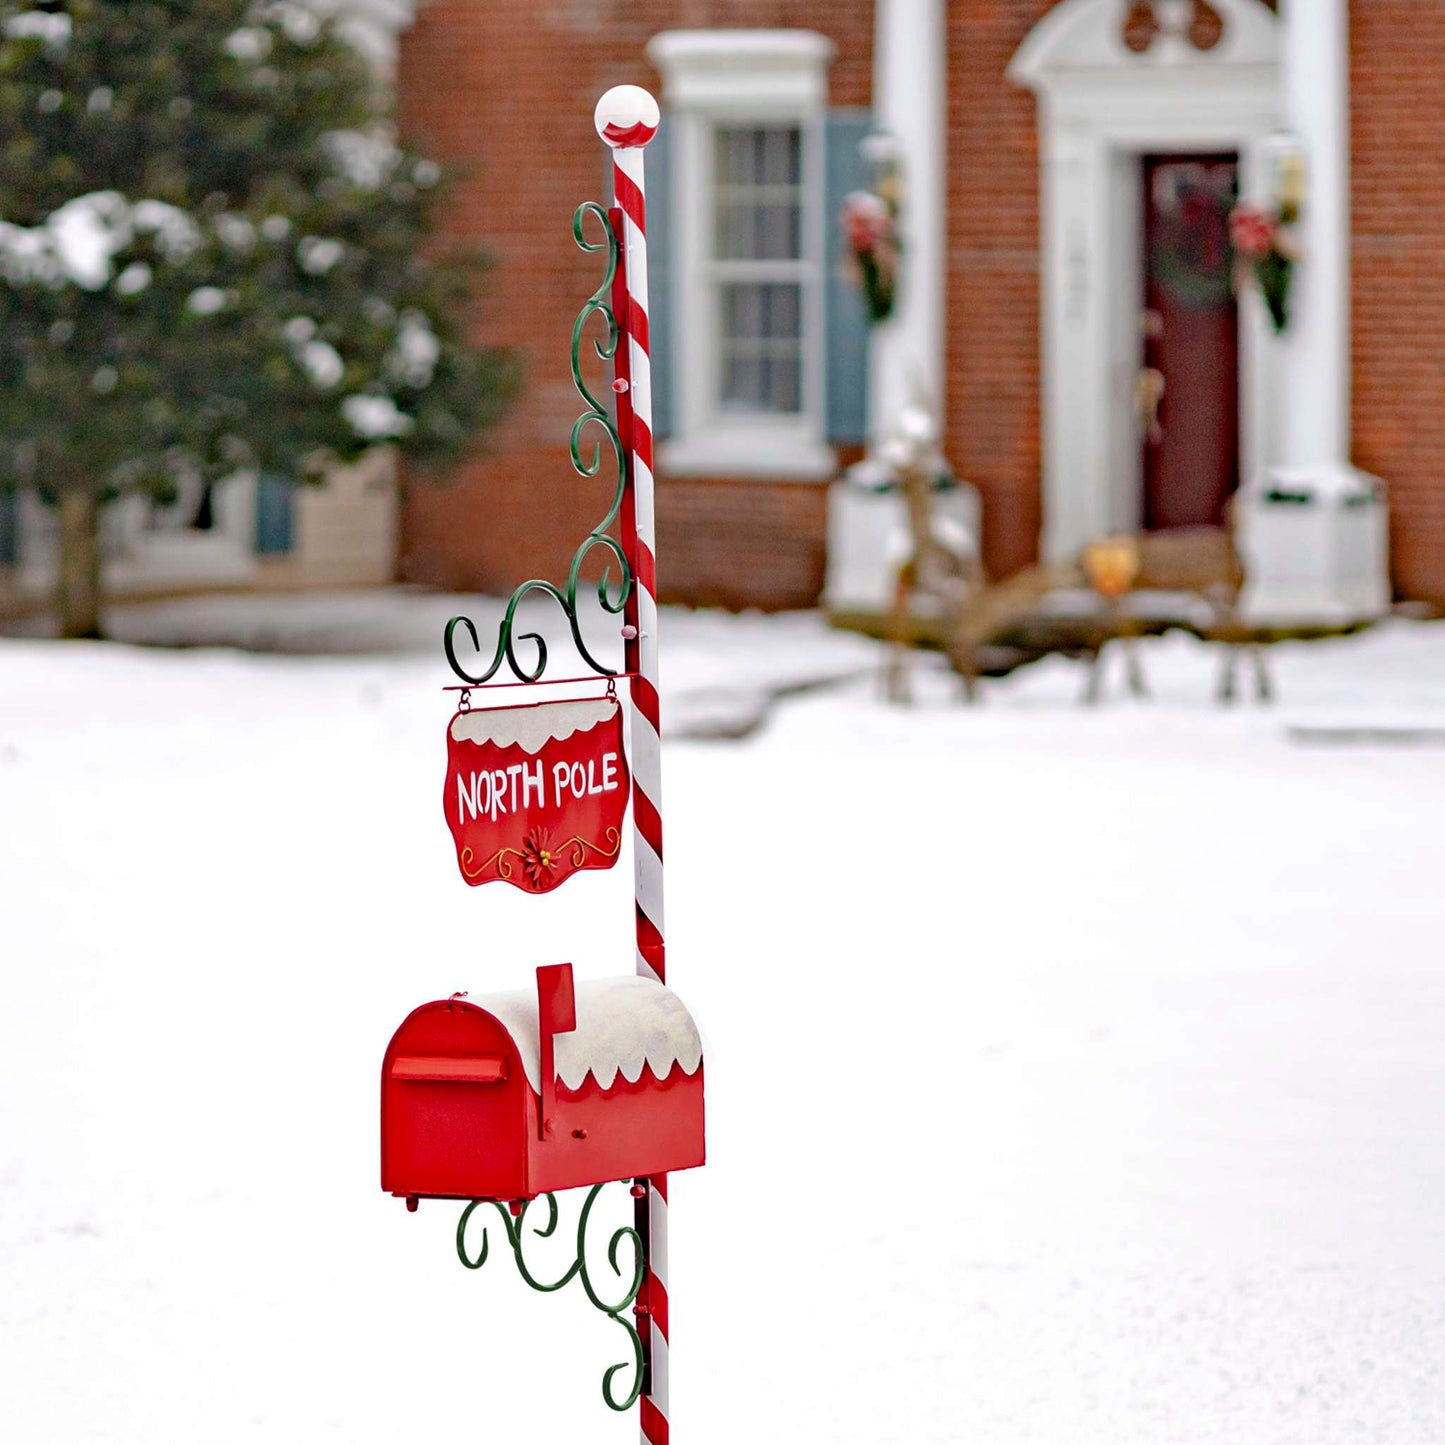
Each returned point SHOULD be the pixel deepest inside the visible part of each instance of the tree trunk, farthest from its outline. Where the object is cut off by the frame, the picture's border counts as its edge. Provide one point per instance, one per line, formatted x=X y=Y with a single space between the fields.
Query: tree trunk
x=78 y=592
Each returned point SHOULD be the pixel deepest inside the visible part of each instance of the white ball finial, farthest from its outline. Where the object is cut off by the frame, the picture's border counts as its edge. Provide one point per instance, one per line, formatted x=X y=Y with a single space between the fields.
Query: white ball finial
x=626 y=116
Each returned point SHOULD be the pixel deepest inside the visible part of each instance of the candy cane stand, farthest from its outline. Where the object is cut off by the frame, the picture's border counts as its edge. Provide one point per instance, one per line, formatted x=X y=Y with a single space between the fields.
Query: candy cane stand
x=627 y=118
x=501 y=1099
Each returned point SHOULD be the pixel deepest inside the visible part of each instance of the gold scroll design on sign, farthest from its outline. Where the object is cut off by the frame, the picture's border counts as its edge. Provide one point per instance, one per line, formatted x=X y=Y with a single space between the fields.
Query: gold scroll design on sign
x=536 y=857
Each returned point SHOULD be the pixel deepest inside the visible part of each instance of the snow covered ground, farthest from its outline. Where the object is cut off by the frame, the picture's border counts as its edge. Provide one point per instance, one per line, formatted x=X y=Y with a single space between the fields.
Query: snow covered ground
x=1074 y=1078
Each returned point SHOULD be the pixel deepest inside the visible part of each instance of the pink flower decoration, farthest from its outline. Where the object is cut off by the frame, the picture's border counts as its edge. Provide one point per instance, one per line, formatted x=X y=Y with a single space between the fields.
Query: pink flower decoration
x=1253 y=232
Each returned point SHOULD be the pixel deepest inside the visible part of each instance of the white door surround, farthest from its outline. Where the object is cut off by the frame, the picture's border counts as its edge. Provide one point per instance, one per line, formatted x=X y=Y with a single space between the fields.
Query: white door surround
x=1101 y=106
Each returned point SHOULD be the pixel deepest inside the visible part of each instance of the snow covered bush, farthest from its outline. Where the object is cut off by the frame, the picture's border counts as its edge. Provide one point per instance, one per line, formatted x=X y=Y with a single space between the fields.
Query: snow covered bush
x=214 y=257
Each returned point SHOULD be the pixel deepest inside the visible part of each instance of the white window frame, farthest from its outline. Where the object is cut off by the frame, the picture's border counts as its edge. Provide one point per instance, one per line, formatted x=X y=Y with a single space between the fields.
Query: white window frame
x=745 y=78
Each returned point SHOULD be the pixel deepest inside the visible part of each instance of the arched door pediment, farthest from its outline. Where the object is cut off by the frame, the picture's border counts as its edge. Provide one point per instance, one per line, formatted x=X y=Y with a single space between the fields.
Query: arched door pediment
x=1078 y=39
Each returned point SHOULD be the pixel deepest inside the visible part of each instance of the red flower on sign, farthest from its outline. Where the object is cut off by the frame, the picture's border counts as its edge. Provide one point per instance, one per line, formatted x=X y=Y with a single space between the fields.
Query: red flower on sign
x=538 y=860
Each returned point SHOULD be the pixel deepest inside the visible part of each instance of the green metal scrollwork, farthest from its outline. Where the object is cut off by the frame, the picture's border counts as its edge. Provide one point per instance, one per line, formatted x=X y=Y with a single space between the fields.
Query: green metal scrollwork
x=577 y=1268
x=613 y=598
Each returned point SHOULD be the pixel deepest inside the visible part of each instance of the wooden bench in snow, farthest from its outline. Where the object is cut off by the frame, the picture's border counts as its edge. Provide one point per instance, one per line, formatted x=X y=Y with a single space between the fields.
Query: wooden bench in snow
x=517 y=1095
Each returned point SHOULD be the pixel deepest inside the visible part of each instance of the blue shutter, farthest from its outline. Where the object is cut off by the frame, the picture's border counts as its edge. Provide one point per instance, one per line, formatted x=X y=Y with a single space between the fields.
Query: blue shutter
x=659 y=277
x=275 y=504
x=9 y=528
x=846 y=315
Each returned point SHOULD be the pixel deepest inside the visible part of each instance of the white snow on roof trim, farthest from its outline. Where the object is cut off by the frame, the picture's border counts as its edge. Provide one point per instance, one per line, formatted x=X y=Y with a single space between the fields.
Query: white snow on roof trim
x=622 y=1025
x=531 y=728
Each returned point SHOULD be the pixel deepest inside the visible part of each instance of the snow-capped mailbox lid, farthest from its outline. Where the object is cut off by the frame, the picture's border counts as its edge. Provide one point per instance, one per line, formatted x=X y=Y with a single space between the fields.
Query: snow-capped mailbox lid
x=515 y=1095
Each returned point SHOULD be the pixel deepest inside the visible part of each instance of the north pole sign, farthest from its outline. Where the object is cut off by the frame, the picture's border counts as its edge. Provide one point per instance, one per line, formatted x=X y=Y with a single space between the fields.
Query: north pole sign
x=536 y=793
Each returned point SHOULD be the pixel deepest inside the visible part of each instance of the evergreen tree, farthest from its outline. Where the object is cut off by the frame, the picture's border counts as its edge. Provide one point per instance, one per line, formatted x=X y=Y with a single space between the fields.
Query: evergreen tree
x=213 y=258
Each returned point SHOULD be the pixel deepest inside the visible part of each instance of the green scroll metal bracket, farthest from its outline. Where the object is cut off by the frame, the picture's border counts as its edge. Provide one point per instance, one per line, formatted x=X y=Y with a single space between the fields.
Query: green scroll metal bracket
x=613 y=598
x=576 y=1270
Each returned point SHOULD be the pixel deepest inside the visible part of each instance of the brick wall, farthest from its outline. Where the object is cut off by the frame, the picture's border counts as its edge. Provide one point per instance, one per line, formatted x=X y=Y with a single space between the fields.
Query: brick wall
x=1398 y=125
x=505 y=90
x=743 y=544
x=992 y=431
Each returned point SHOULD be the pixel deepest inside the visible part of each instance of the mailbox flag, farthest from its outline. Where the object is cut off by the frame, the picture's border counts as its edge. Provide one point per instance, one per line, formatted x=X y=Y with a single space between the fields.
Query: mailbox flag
x=535 y=793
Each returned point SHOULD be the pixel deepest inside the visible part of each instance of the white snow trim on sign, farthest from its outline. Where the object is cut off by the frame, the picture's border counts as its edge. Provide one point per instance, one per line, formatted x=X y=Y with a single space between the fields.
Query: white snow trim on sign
x=622 y=1024
x=531 y=728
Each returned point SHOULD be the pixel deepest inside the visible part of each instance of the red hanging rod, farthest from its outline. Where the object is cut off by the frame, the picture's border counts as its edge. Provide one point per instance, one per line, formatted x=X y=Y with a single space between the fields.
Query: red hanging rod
x=605 y=677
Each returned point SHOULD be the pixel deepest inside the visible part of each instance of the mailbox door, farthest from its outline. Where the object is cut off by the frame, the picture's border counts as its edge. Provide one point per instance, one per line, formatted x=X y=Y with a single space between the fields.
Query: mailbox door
x=454 y=1107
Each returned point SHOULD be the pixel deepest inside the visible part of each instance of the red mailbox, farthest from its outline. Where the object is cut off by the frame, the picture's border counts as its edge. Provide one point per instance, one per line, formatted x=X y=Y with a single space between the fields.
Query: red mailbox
x=516 y=1095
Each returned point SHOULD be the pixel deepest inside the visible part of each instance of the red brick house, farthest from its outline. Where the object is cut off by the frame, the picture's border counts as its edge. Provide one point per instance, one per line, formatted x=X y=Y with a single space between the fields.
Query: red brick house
x=1044 y=148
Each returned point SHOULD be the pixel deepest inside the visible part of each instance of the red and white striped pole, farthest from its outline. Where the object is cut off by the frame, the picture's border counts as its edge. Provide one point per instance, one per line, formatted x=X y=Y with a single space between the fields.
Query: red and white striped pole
x=626 y=118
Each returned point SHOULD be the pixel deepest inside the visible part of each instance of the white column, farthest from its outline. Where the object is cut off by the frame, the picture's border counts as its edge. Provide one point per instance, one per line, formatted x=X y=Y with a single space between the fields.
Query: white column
x=868 y=533
x=1315 y=529
x=1315 y=349
x=909 y=88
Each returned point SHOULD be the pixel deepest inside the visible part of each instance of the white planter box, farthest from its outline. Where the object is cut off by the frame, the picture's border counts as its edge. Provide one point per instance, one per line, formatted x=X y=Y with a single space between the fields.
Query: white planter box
x=1316 y=548
x=868 y=537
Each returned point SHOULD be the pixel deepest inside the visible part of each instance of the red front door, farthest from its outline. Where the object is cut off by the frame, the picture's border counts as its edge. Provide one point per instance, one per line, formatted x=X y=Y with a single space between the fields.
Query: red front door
x=1188 y=390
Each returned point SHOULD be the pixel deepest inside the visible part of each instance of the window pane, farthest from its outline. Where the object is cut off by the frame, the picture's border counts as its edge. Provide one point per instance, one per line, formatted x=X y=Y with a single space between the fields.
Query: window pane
x=761 y=347
x=731 y=240
x=742 y=384
x=736 y=230
x=780 y=382
x=734 y=155
x=742 y=311
x=755 y=311
x=781 y=163
x=781 y=315
x=759 y=193
x=777 y=232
